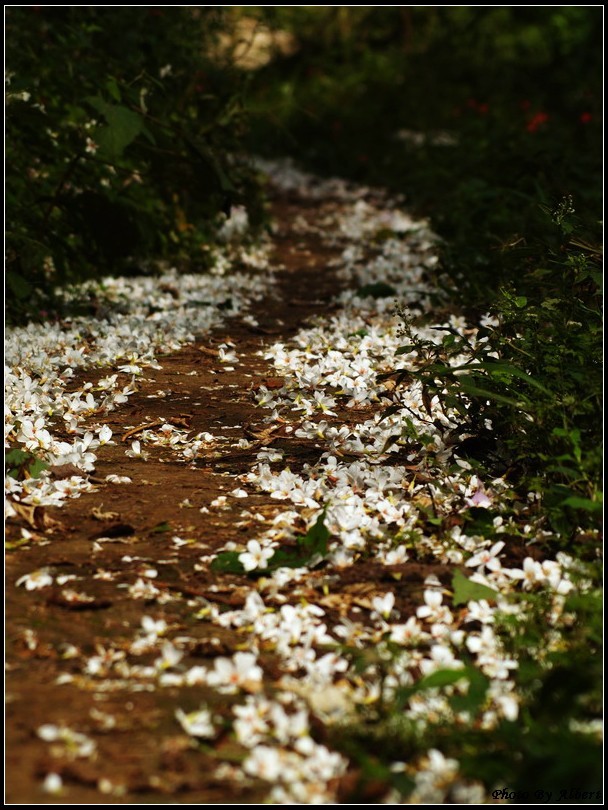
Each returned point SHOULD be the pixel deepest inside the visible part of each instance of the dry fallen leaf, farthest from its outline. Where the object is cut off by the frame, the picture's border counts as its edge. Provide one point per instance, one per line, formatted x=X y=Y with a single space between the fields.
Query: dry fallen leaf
x=98 y=514
x=133 y=431
x=209 y=647
x=337 y=601
x=73 y=600
x=262 y=435
x=362 y=593
x=208 y=352
x=35 y=516
x=268 y=382
x=65 y=471
x=25 y=512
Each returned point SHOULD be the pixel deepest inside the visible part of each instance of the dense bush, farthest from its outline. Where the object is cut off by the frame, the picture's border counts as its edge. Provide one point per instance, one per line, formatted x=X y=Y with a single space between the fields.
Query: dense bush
x=533 y=373
x=123 y=136
x=488 y=120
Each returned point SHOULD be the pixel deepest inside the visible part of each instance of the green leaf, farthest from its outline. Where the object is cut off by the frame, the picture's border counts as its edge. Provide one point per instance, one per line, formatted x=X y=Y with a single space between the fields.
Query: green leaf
x=315 y=540
x=113 y=89
x=286 y=558
x=597 y=278
x=20 y=288
x=309 y=545
x=466 y=591
x=541 y=272
x=476 y=391
x=521 y=301
x=228 y=563
x=124 y=125
x=588 y=505
x=469 y=702
x=476 y=693
x=21 y=463
x=497 y=368
x=574 y=435
x=551 y=303
x=15 y=458
x=568 y=472
x=443 y=677
x=402 y=782
x=37 y=466
x=359 y=333
x=160 y=528
x=378 y=289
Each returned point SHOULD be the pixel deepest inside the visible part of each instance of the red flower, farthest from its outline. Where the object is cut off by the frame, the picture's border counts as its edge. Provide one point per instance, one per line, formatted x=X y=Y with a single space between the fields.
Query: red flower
x=536 y=121
x=481 y=107
x=585 y=117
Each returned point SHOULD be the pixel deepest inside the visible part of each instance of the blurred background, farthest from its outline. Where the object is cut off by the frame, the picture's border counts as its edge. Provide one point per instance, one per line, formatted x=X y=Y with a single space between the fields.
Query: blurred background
x=130 y=130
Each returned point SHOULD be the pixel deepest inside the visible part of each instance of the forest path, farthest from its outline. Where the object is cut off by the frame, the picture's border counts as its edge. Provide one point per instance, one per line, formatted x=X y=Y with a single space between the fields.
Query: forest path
x=201 y=633
x=196 y=392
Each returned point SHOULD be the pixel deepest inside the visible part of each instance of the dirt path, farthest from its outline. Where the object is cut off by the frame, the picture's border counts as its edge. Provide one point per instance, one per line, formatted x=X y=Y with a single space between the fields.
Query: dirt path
x=269 y=558
x=112 y=537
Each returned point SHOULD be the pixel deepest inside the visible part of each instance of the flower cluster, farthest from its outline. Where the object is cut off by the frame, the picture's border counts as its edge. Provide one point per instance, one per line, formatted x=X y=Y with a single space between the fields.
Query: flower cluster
x=41 y=360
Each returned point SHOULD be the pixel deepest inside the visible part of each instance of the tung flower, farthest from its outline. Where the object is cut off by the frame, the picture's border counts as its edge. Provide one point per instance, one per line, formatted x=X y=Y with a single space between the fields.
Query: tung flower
x=255 y=556
x=196 y=724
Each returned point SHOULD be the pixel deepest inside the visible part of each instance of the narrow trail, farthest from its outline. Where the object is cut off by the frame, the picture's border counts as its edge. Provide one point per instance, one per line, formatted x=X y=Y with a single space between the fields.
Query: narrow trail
x=138 y=672
x=114 y=535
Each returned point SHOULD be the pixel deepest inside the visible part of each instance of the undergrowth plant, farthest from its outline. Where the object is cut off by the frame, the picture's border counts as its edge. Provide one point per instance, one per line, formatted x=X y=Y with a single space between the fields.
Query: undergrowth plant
x=527 y=382
x=123 y=144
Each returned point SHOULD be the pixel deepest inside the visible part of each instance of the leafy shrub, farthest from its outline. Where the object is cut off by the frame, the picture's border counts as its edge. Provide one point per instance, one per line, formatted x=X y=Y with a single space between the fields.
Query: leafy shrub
x=123 y=137
x=534 y=374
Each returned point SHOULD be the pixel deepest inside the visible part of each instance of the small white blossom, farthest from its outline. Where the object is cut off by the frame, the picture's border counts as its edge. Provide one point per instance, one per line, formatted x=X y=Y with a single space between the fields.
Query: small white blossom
x=241 y=671
x=383 y=605
x=256 y=556
x=118 y=479
x=487 y=558
x=196 y=724
x=264 y=763
x=136 y=451
x=170 y=657
x=36 y=579
x=104 y=435
x=53 y=783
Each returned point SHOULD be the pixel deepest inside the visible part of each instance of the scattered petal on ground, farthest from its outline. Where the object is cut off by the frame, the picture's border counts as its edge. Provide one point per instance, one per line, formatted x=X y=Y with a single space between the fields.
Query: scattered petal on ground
x=274 y=569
